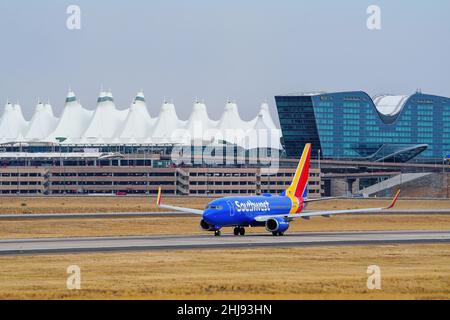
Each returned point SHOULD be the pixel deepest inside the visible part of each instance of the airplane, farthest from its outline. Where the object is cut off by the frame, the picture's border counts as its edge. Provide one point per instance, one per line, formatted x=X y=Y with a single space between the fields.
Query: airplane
x=274 y=212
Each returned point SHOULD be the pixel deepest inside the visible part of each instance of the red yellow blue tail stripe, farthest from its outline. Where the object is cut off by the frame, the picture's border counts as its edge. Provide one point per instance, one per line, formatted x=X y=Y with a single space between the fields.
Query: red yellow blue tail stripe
x=298 y=188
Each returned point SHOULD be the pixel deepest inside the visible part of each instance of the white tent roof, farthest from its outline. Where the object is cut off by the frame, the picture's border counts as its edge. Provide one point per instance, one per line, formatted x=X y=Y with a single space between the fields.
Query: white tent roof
x=263 y=134
x=199 y=125
x=138 y=124
x=12 y=124
x=266 y=117
x=73 y=123
x=106 y=121
x=232 y=128
x=42 y=123
x=109 y=125
x=168 y=126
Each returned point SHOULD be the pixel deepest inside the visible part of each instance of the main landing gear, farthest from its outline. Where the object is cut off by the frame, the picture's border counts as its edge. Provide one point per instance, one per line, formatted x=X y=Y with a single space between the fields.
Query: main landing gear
x=217 y=233
x=239 y=231
x=277 y=234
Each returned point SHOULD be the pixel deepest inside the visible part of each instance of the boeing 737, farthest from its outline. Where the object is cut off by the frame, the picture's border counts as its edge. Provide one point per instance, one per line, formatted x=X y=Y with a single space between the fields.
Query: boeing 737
x=274 y=212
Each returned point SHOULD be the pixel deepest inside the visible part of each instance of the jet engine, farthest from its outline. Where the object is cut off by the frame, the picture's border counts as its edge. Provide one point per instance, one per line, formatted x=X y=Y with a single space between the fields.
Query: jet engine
x=279 y=225
x=206 y=226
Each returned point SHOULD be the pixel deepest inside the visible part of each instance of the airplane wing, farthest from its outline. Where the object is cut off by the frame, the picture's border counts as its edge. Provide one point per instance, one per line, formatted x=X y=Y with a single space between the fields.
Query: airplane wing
x=307 y=215
x=174 y=208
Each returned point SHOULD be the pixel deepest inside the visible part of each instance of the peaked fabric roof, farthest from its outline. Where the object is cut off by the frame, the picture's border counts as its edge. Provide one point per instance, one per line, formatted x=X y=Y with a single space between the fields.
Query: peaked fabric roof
x=138 y=124
x=12 y=124
x=73 y=123
x=105 y=123
x=109 y=125
x=42 y=123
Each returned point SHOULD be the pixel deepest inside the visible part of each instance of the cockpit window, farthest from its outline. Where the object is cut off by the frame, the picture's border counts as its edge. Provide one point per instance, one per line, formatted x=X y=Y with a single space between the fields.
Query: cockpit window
x=214 y=207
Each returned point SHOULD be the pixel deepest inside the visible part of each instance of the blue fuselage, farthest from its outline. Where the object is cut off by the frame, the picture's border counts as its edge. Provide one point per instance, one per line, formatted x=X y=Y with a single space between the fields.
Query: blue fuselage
x=241 y=211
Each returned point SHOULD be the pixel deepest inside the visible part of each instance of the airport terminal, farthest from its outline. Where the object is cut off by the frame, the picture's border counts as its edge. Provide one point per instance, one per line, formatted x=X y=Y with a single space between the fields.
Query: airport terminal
x=361 y=146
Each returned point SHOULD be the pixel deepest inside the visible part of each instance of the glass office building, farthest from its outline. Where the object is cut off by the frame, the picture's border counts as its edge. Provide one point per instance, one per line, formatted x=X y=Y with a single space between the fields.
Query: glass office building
x=352 y=125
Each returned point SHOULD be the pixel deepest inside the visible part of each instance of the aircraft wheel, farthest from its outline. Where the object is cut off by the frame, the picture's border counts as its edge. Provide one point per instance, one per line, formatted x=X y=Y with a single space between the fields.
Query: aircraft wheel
x=236 y=231
x=242 y=231
x=280 y=234
x=274 y=234
x=217 y=233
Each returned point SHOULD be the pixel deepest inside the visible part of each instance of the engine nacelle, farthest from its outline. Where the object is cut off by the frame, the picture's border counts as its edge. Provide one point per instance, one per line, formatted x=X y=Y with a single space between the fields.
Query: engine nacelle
x=206 y=226
x=277 y=225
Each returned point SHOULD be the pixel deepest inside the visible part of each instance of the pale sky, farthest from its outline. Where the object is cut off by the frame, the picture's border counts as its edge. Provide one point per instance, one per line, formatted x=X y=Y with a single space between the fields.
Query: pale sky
x=248 y=50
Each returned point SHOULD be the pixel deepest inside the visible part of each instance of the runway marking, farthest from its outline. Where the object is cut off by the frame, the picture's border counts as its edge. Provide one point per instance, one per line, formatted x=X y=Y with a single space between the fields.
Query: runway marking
x=138 y=243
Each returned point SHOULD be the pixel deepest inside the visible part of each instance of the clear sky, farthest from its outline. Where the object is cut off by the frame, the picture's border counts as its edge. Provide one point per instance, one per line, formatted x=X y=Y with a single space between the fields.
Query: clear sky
x=247 y=50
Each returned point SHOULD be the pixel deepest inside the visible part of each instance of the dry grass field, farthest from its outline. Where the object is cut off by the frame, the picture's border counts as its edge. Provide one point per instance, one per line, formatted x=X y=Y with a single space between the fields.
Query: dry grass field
x=30 y=205
x=407 y=272
x=190 y=225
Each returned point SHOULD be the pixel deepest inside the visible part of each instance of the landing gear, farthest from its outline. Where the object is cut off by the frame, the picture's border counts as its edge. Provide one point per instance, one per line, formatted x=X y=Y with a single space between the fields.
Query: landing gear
x=239 y=231
x=217 y=233
x=277 y=234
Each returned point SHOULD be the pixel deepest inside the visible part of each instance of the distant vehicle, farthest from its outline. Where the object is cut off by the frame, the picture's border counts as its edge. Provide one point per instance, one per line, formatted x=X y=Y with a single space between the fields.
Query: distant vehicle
x=274 y=212
x=121 y=193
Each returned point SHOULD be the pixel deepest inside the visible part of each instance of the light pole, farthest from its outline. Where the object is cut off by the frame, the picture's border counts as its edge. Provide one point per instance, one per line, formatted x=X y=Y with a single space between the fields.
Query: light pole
x=63 y=171
x=443 y=175
x=320 y=172
x=318 y=157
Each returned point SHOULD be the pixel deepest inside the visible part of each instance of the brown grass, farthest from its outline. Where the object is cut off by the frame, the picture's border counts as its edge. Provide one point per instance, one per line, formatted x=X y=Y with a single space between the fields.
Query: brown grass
x=408 y=272
x=190 y=225
x=29 y=205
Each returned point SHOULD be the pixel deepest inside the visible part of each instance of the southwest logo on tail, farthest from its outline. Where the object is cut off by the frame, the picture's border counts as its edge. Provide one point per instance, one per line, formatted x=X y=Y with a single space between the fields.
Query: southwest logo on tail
x=274 y=212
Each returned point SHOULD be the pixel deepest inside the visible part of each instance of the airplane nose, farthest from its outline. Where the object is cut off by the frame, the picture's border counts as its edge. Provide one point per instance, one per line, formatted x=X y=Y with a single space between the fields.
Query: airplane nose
x=209 y=216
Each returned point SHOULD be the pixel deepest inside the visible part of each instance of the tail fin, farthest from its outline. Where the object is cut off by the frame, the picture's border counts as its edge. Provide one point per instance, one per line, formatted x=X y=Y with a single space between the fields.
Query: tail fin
x=299 y=185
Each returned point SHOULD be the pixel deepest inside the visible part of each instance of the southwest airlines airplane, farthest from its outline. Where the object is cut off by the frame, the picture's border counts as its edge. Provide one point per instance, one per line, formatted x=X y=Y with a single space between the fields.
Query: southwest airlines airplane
x=274 y=212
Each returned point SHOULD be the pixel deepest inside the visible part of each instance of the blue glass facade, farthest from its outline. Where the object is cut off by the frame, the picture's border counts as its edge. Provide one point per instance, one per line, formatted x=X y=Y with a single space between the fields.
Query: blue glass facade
x=348 y=125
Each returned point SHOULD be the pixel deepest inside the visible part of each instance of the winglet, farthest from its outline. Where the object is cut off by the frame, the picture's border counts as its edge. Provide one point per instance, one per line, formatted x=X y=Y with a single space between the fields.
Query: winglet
x=394 y=200
x=158 y=199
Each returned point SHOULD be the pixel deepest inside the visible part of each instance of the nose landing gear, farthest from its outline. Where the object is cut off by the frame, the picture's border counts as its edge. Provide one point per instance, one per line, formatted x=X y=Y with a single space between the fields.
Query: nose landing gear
x=239 y=231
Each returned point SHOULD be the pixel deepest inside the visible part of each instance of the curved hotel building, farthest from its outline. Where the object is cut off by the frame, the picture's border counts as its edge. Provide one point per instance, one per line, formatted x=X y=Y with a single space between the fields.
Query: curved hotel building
x=352 y=125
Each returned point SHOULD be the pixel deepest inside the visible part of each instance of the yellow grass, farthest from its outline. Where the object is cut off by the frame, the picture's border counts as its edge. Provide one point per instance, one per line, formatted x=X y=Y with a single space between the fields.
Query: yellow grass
x=408 y=272
x=28 y=205
x=190 y=225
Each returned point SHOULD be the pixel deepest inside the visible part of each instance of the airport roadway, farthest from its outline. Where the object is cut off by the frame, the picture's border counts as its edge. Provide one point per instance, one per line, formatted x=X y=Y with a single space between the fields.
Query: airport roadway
x=208 y=241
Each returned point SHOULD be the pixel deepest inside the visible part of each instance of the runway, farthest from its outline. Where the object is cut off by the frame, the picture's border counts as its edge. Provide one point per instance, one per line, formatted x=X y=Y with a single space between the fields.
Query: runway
x=208 y=241
x=38 y=216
